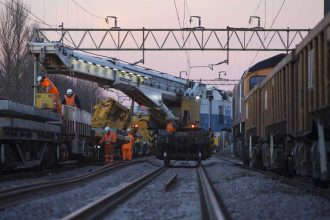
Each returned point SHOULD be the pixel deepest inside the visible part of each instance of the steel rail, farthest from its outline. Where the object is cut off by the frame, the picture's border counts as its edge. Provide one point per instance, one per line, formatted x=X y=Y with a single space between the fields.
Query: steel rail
x=170 y=182
x=20 y=194
x=33 y=174
x=211 y=207
x=320 y=191
x=103 y=205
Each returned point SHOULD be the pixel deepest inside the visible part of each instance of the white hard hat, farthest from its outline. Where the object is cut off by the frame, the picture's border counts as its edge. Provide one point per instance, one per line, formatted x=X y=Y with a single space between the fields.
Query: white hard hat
x=39 y=78
x=69 y=92
x=128 y=130
x=106 y=129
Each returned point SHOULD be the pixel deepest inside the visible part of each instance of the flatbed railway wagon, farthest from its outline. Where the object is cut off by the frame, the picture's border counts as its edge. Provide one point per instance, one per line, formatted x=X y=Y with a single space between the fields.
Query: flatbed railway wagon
x=290 y=133
x=31 y=137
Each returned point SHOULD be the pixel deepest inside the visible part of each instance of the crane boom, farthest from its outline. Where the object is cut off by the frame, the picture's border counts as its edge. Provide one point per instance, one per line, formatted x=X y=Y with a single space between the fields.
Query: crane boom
x=147 y=87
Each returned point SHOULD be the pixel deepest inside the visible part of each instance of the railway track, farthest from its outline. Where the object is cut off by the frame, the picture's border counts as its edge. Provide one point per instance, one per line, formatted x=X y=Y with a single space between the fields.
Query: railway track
x=18 y=175
x=103 y=205
x=292 y=181
x=211 y=208
x=17 y=195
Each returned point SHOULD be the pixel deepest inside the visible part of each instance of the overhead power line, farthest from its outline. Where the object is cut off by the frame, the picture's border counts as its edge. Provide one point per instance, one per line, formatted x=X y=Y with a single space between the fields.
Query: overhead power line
x=177 y=14
x=39 y=21
x=269 y=28
x=85 y=10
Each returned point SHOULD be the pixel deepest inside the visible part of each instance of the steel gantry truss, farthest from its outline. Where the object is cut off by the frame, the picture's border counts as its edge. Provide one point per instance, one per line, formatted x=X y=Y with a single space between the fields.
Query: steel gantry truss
x=202 y=39
x=218 y=82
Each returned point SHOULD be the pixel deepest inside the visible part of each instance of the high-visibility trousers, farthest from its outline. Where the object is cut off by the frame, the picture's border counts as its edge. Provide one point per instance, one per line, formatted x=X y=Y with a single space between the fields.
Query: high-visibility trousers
x=108 y=153
x=127 y=153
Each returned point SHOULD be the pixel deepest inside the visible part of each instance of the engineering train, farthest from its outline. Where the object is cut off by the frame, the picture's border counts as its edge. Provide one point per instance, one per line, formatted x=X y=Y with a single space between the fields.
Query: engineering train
x=285 y=123
x=33 y=137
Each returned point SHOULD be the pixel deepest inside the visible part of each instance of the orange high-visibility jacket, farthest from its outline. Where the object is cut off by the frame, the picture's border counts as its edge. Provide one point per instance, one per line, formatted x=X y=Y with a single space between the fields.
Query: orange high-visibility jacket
x=71 y=100
x=129 y=145
x=47 y=82
x=109 y=138
x=170 y=128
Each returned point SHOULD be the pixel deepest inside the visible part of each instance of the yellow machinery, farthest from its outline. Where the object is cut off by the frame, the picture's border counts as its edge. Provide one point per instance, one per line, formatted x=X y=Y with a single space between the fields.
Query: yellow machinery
x=144 y=138
x=110 y=113
x=45 y=100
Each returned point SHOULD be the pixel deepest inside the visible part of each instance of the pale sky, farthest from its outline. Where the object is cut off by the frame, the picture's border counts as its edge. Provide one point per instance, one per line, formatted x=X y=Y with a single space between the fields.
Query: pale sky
x=162 y=14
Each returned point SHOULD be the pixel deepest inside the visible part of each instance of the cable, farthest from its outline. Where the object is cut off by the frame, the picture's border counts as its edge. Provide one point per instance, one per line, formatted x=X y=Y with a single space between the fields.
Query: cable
x=188 y=65
x=257 y=8
x=177 y=14
x=88 y=12
x=42 y=22
x=265 y=15
x=269 y=31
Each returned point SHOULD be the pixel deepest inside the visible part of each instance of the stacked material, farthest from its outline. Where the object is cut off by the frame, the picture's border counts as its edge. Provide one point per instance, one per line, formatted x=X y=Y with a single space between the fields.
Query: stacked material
x=17 y=110
x=20 y=116
x=27 y=124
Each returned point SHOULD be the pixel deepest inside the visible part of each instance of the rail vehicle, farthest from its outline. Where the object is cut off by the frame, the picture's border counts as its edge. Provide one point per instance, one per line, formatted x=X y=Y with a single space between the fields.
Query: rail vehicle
x=34 y=137
x=166 y=97
x=287 y=115
x=39 y=137
x=248 y=81
x=200 y=120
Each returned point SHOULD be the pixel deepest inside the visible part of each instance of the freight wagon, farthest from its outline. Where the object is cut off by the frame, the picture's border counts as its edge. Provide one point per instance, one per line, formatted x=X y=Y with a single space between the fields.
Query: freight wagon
x=287 y=123
x=248 y=81
x=34 y=137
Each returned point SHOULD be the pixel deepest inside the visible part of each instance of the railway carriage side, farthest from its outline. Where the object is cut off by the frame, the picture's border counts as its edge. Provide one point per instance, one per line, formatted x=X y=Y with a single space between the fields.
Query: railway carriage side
x=252 y=126
x=311 y=124
x=276 y=100
x=294 y=110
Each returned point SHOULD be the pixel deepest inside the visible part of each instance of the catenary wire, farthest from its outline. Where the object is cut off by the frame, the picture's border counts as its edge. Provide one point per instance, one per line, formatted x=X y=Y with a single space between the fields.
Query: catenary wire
x=269 y=31
x=88 y=12
x=187 y=56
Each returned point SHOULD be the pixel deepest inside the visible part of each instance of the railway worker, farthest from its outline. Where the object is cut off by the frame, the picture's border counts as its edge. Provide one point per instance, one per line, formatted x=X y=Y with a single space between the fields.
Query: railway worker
x=109 y=139
x=48 y=87
x=170 y=126
x=127 y=148
x=71 y=99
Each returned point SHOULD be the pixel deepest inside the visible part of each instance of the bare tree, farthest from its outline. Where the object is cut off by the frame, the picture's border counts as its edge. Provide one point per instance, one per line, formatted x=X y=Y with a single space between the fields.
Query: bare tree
x=16 y=65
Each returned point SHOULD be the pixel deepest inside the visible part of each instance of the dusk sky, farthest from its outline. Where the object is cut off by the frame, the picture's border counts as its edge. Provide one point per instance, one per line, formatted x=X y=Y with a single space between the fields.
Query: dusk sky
x=162 y=14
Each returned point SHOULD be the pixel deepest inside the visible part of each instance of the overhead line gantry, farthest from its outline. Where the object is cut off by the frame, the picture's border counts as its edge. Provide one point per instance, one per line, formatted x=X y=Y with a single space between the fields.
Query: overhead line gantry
x=201 y=39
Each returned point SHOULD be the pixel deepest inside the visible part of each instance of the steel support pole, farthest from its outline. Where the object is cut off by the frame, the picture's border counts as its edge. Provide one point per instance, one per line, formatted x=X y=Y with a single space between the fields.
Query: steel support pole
x=35 y=72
